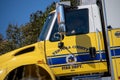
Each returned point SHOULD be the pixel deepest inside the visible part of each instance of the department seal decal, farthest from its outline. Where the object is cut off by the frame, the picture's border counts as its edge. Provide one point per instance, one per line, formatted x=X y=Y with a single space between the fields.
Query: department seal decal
x=71 y=59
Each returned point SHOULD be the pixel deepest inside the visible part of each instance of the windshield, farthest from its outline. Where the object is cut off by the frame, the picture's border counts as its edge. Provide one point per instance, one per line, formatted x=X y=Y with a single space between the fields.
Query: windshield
x=46 y=27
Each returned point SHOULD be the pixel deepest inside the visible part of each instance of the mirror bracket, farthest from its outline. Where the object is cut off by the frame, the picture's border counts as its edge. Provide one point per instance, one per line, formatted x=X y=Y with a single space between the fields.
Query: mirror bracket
x=60 y=45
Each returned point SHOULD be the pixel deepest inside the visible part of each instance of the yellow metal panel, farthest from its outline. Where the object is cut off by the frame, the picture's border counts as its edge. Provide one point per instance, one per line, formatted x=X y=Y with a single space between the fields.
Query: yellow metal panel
x=87 y=68
x=116 y=64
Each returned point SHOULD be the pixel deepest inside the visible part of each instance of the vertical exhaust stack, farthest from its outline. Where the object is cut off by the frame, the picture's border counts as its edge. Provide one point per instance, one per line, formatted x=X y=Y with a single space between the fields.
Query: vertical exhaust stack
x=106 y=41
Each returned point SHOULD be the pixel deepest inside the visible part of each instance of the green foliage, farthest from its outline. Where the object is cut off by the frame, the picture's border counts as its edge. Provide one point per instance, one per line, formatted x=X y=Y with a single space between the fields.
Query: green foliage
x=14 y=35
x=1 y=37
x=4 y=45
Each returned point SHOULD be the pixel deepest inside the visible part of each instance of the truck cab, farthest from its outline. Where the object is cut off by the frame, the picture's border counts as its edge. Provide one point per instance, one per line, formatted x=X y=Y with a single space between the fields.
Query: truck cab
x=80 y=50
x=81 y=26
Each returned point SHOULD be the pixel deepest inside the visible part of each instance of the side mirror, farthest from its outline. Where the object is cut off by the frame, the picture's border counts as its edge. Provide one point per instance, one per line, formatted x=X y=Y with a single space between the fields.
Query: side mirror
x=92 y=52
x=61 y=18
x=61 y=23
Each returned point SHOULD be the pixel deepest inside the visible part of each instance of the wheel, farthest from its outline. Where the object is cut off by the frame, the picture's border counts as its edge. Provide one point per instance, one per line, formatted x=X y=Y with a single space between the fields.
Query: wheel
x=28 y=72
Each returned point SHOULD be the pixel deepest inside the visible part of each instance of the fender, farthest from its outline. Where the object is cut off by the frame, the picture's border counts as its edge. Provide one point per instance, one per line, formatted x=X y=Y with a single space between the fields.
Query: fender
x=31 y=55
x=42 y=68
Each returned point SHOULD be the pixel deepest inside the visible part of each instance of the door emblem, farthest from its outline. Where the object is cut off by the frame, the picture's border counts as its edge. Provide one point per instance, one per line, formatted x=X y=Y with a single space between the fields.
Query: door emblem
x=71 y=59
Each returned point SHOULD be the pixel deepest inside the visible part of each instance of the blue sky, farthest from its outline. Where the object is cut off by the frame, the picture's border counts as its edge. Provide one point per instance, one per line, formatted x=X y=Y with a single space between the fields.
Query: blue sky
x=18 y=11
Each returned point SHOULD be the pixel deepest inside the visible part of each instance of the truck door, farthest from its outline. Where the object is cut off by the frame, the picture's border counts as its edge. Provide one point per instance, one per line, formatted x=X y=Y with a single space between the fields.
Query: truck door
x=75 y=44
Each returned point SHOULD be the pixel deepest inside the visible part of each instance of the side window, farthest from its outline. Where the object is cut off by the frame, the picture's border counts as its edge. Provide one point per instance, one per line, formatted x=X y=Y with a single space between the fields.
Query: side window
x=76 y=21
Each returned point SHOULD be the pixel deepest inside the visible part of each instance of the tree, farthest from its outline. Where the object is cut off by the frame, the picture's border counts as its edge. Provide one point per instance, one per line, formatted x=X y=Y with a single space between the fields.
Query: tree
x=28 y=36
x=14 y=36
x=1 y=37
x=4 y=45
x=37 y=21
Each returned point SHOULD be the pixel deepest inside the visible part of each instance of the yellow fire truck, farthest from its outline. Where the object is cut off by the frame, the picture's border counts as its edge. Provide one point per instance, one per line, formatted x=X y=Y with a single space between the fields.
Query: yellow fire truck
x=76 y=43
